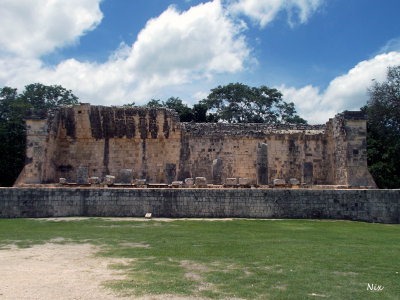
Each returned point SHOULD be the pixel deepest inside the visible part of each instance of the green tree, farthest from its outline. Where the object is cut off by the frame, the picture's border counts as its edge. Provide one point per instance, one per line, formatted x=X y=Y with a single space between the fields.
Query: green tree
x=239 y=103
x=12 y=135
x=154 y=103
x=185 y=112
x=129 y=104
x=13 y=107
x=44 y=97
x=200 y=112
x=383 y=140
x=287 y=114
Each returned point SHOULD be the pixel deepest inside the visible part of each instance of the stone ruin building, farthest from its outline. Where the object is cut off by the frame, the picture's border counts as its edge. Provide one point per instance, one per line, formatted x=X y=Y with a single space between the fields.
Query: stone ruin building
x=83 y=141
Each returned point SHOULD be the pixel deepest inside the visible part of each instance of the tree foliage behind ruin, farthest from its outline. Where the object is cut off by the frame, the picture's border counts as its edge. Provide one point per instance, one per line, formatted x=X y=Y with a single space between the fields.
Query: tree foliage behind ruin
x=236 y=103
x=383 y=140
x=13 y=106
x=239 y=103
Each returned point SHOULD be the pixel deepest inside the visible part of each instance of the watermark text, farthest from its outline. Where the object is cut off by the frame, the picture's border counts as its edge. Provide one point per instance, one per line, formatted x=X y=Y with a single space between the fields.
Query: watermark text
x=374 y=287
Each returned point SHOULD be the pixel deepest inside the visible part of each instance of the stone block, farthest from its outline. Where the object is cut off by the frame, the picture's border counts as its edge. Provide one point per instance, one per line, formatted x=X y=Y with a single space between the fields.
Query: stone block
x=125 y=176
x=244 y=181
x=201 y=182
x=231 y=181
x=294 y=181
x=189 y=182
x=279 y=182
x=177 y=184
x=62 y=181
x=82 y=175
x=109 y=180
x=94 y=180
x=140 y=182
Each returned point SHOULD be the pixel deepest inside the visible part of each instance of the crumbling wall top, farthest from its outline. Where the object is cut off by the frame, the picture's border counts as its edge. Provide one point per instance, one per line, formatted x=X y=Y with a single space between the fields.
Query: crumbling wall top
x=35 y=115
x=352 y=115
x=249 y=129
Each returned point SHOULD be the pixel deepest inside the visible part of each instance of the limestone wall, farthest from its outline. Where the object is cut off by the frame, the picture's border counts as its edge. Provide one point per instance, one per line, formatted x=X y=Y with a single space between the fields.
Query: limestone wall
x=289 y=153
x=99 y=141
x=37 y=140
x=360 y=205
x=349 y=131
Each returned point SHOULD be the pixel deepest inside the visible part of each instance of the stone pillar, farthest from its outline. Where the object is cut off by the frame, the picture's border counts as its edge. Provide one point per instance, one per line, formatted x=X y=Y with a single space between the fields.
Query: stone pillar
x=216 y=170
x=82 y=174
x=36 y=141
x=308 y=172
x=170 y=173
x=349 y=135
x=262 y=164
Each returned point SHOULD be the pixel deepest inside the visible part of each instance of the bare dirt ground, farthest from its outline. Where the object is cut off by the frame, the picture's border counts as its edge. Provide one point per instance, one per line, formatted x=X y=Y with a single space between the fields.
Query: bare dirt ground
x=66 y=271
x=54 y=271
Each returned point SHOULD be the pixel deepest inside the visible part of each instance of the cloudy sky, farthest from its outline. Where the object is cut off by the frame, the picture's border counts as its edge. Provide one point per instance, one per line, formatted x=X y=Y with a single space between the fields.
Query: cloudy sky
x=322 y=54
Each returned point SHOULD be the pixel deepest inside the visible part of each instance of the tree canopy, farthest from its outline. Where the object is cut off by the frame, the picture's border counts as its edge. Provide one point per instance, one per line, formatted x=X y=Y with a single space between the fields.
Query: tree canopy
x=239 y=103
x=13 y=106
x=44 y=97
x=185 y=113
x=236 y=103
x=383 y=140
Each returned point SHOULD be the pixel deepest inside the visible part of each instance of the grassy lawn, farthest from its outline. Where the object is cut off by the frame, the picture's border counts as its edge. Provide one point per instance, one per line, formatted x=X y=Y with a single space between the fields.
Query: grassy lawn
x=250 y=259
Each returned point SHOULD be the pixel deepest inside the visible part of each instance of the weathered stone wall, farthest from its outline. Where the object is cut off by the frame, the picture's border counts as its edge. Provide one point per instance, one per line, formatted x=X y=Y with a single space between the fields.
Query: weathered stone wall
x=251 y=150
x=99 y=141
x=361 y=205
x=37 y=132
x=104 y=140
x=350 y=159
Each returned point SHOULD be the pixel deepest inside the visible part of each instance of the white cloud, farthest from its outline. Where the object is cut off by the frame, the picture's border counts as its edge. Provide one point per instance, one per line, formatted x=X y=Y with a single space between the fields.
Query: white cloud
x=173 y=49
x=346 y=92
x=200 y=95
x=391 y=45
x=179 y=47
x=264 y=11
x=31 y=28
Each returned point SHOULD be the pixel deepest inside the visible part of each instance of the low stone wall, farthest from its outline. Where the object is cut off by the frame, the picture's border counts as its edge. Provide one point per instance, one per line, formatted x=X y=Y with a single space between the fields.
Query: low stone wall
x=361 y=205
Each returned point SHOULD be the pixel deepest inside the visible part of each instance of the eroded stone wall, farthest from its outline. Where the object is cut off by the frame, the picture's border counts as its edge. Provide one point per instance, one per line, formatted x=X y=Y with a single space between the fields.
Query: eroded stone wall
x=259 y=152
x=107 y=140
x=349 y=131
x=99 y=141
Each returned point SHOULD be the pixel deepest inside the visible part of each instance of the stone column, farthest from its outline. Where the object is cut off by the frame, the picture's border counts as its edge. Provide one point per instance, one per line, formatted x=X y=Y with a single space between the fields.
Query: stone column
x=262 y=164
x=216 y=169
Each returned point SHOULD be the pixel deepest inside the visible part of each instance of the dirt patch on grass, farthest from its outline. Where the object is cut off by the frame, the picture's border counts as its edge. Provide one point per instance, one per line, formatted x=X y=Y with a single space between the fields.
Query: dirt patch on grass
x=70 y=271
x=193 y=266
x=62 y=219
x=345 y=273
x=135 y=245
x=318 y=295
x=130 y=225
x=282 y=287
x=65 y=219
x=171 y=297
x=53 y=271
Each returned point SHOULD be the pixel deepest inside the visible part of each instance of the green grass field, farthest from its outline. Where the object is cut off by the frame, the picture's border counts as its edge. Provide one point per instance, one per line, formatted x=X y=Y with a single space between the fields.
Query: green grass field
x=250 y=259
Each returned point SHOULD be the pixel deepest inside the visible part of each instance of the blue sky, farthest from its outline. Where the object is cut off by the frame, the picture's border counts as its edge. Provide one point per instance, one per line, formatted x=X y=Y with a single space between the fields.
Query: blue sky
x=321 y=54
